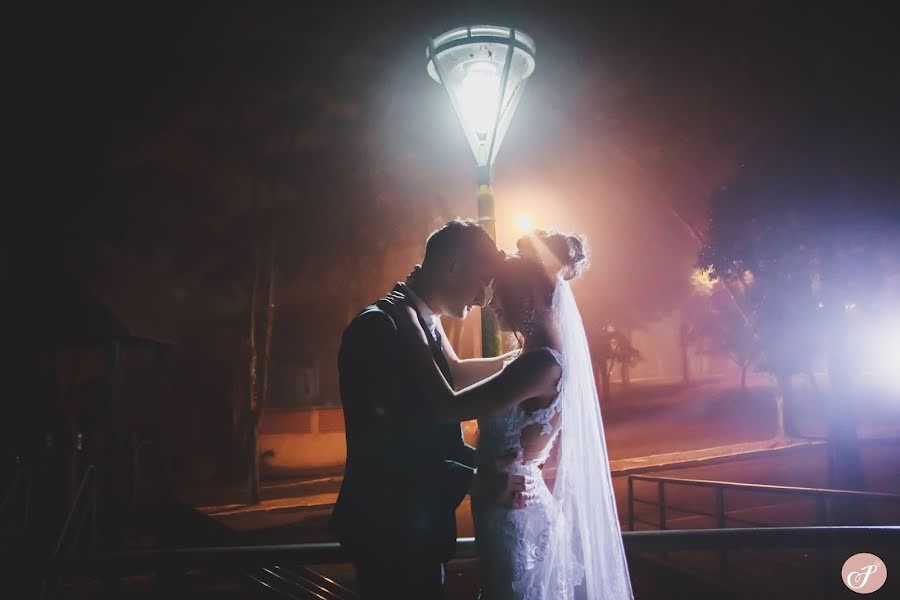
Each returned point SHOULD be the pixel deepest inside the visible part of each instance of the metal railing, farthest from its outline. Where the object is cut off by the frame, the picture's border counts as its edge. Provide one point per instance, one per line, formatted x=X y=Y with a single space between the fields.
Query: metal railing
x=295 y=581
x=15 y=507
x=300 y=582
x=83 y=510
x=287 y=581
x=330 y=553
x=663 y=504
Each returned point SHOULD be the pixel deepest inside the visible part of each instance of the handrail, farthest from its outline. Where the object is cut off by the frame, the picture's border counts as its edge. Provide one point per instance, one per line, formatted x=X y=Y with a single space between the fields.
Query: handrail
x=761 y=487
x=168 y=559
x=89 y=477
x=18 y=491
x=318 y=580
x=761 y=537
x=822 y=497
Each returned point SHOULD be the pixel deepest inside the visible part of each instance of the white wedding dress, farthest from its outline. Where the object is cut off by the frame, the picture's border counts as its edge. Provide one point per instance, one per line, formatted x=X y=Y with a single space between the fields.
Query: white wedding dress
x=565 y=544
x=512 y=544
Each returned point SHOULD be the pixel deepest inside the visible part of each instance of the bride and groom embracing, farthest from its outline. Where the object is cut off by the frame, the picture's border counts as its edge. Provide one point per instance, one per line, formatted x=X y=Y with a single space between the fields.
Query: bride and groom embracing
x=405 y=391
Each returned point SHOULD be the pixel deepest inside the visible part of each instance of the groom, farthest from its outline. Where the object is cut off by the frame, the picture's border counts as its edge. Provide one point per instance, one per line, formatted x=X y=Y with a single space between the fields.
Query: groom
x=406 y=473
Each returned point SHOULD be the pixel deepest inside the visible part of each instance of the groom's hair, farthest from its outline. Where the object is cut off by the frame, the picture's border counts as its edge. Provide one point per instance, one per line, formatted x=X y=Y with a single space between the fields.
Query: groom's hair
x=460 y=239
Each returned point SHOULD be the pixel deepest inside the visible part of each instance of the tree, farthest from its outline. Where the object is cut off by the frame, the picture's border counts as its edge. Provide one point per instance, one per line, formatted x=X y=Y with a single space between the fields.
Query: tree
x=811 y=230
x=723 y=330
x=611 y=347
x=695 y=314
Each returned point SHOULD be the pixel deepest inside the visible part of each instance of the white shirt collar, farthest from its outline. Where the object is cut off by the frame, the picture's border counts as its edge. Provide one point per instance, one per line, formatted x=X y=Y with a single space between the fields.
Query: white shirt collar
x=434 y=322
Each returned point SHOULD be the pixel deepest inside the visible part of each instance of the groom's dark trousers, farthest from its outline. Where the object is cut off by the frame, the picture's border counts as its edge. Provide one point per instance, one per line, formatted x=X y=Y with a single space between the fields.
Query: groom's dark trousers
x=405 y=473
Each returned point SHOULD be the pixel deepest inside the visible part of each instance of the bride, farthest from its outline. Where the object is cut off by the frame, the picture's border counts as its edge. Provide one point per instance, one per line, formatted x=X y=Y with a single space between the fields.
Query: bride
x=565 y=544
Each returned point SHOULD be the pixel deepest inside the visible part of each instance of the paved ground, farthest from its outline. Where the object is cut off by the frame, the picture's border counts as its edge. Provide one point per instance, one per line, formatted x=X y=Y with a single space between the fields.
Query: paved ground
x=674 y=418
x=303 y=518
x=706 y=431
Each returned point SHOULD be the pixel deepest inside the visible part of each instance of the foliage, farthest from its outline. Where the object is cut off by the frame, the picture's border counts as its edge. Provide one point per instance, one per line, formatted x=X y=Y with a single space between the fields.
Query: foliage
x=610 y=347
x=613 y=347
x=798 y=240
x=718 y=325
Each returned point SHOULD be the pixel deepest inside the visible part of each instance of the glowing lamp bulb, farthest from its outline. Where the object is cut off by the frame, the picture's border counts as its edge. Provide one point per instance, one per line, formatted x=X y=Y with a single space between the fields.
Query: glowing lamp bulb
x=478 y=98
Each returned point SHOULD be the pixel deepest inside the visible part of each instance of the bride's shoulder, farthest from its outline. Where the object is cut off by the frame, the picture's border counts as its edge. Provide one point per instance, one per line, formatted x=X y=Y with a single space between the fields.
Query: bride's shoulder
x=543 y=364
x=543 y=355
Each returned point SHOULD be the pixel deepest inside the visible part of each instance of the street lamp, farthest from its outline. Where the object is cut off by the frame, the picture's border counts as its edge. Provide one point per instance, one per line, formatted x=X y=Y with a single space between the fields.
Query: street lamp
x=483 y=69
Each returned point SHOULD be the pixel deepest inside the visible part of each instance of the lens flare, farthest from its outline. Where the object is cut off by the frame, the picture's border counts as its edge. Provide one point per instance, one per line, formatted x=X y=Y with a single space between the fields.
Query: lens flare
x=524 y=224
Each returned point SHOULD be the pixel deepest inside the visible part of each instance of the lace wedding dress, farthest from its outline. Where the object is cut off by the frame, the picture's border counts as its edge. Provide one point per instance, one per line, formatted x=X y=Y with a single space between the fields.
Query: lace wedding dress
x=565 y=544
x=512 y=544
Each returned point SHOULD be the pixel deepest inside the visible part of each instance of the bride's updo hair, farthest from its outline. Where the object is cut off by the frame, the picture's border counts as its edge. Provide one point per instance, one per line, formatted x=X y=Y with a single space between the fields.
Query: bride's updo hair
x=543 y=257
x=560 y=254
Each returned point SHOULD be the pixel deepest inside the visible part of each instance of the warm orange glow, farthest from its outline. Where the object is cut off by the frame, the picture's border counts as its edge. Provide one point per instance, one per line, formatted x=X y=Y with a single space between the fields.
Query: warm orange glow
x=524 y=224
x=702 y=281
x=537 y=205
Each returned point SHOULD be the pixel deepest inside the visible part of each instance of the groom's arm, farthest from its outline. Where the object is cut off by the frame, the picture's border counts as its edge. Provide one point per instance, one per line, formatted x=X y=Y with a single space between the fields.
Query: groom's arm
x=456 y=481
x=459 y=467
x=464 y=454
x=368 y=372
x=505 y=489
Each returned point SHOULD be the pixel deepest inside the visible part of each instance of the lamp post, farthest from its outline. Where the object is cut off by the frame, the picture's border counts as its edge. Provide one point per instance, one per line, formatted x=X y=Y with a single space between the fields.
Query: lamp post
x=483 y=69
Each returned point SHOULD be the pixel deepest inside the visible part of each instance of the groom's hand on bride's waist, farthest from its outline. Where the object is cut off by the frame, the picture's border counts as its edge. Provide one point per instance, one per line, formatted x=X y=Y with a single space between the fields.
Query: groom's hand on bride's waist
x=506 y=489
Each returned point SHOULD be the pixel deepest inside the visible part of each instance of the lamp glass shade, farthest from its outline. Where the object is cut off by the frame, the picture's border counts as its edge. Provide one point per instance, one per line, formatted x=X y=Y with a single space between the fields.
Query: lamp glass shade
x=483 y=69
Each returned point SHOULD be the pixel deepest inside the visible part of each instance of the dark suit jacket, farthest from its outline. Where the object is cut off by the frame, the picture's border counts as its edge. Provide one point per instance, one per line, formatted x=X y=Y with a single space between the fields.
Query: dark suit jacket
x=405 y=473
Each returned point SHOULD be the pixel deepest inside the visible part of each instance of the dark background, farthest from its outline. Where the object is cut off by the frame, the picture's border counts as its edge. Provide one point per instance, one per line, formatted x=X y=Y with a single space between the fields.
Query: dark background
x=151 y=143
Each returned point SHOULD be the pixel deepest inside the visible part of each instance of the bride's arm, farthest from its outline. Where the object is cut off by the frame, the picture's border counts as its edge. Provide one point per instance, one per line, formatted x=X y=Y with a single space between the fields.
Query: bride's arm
x=468 y=371
x=532 y=375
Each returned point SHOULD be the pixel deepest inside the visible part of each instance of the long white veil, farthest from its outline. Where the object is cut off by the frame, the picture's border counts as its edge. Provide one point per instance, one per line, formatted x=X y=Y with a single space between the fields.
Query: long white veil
x=586 y=547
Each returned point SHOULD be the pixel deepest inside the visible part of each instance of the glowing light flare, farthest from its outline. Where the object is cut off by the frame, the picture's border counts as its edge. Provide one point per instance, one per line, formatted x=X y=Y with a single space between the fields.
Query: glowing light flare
x=545 y=206
x=524 y=224
x=479 y=96
x=879 y=343
x=886 y=357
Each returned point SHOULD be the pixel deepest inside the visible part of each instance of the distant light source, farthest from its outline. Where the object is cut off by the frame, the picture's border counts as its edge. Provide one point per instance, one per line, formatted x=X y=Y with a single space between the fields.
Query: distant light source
x=878 y=344
x=885 y=345
x=524 y=224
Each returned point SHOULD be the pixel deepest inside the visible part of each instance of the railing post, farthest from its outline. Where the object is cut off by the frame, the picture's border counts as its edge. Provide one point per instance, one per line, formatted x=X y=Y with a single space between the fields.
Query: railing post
x=661 y=498
x=720 y=524
x=825 y=556
x=720 y=507
x=630 y=503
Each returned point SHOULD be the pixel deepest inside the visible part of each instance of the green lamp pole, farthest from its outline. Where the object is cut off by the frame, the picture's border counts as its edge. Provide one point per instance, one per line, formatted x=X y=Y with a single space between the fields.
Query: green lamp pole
x=483 y=69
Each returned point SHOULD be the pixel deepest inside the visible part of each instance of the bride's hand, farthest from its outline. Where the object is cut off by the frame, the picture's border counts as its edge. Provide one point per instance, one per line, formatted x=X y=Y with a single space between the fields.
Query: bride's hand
x=511 y=356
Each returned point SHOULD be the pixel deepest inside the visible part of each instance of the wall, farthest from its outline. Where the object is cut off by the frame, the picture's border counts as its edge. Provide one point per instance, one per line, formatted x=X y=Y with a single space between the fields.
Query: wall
x=302 y=441
x=307 y=441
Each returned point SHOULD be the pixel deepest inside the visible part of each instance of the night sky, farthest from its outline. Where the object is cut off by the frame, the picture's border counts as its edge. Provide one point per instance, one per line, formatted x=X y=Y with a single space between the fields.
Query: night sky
x=142 y=135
